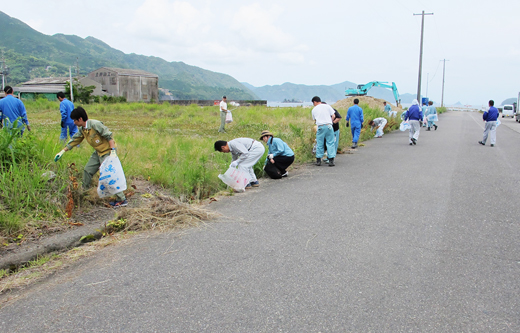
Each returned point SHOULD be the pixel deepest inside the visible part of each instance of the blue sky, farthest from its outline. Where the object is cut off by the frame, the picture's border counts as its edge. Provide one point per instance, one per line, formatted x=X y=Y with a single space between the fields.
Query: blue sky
x=309 y=42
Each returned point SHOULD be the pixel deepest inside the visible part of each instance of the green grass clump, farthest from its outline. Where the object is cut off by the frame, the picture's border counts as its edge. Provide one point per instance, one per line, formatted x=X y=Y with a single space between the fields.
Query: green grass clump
x=170 y=145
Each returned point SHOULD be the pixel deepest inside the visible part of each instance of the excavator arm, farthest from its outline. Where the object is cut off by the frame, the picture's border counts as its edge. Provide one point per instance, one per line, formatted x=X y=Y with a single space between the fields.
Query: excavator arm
x=363 y=89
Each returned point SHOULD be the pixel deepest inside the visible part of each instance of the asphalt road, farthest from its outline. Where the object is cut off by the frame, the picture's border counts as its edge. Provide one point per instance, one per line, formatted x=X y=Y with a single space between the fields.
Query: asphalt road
x=394 y=238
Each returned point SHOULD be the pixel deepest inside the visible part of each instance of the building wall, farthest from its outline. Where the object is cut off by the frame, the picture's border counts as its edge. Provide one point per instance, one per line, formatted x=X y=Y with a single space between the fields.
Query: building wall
x=133 y=88
x=108 y=80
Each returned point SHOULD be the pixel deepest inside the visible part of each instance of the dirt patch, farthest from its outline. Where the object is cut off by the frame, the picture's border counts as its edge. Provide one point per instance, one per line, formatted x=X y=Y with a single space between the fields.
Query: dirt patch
x=373 y=103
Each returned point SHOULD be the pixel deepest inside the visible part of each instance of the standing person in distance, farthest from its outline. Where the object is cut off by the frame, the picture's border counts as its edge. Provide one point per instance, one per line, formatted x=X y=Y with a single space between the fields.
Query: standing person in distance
x=323 y=116
x=245 y=153
x=223 y=112
x=387 y=109
x=335 y=128
x=355 y=121
x=279 y=153
x=431 y=110
x=100 y=138
x=424 y=109
x=414 y=114
x=67 y=123
x=490 y=117
x=11 y=108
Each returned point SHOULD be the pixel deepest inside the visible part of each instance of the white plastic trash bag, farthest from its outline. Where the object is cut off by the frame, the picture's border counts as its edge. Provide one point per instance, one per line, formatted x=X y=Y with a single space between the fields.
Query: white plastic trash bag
x=235 y=178
x=111 y=177
x=404 y=126
x=433 y=117
x=229 y=117
x=379 y=132
x=498 y=122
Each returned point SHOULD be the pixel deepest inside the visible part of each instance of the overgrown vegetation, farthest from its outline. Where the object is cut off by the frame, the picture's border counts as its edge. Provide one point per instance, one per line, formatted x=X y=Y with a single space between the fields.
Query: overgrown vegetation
x=170 y=145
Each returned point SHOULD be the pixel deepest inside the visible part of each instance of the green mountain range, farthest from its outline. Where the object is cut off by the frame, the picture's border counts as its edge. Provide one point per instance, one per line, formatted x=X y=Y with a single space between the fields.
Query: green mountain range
x=30 y=54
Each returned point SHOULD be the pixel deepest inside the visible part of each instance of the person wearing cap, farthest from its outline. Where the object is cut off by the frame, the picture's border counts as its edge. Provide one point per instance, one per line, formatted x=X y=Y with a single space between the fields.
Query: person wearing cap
x=279 y=154
x=380 y=124
x=245 y=153
x=12 y=111
x=67 y=123
x=100 y=138
x=323 y=115
x=223 y=112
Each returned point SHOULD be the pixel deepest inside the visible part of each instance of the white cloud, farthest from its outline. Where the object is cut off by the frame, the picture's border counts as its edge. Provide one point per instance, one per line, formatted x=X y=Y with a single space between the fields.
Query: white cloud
x=168 y=21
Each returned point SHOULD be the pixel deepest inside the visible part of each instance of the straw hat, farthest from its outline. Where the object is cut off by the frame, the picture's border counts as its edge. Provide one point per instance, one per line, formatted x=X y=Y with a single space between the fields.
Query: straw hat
x=265 y=133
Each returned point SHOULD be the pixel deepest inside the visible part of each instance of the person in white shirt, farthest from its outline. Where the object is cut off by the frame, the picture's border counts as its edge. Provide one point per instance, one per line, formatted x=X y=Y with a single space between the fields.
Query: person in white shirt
x=223 y=111
x=323 y=115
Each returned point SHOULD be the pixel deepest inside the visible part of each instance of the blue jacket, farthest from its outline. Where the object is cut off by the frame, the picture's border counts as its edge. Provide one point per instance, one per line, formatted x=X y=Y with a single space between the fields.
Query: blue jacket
x=66 y=108
x=278 y=148
x=491 y=114
x=12 y=108
x=414 y=113
x=355 y=116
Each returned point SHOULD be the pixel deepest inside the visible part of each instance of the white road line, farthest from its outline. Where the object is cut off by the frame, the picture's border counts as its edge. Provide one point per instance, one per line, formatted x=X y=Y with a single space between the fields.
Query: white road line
x=481 y=126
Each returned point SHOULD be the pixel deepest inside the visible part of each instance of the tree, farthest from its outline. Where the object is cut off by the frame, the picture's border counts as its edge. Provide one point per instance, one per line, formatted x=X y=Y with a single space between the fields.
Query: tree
x=81 y=93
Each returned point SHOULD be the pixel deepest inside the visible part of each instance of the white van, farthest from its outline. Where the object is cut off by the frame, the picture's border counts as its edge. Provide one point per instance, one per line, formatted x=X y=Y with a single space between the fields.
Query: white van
x=508 y=111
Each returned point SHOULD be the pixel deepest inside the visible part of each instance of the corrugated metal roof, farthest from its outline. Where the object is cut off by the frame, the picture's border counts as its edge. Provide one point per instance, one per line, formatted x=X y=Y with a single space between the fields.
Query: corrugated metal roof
x=130 y=72
x=43 y=89
x=46 y=80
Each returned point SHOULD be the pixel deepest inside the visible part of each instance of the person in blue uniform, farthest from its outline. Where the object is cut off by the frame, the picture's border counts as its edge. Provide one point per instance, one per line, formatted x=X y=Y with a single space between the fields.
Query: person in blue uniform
x=67 y=124
x=355 y=121
x=12 y=111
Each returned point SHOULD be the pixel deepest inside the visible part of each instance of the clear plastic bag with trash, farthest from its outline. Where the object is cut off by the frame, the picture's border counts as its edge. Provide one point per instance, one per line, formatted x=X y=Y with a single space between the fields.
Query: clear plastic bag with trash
x=404 y=126
x=433 y=117
x=112 y=179
x=235 y=178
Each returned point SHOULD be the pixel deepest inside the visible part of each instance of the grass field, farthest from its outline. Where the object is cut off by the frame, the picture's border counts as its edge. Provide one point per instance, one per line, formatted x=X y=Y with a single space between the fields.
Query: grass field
x=169 y=145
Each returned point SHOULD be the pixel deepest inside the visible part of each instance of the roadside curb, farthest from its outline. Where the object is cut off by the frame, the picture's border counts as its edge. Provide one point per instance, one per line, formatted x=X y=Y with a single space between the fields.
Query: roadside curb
x=57 y=243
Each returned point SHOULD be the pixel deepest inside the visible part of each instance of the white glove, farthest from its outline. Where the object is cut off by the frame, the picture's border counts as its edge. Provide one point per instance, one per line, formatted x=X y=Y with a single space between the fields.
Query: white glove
x=233 y=164
x=270 y=156
x=58 y=155
x=113 y=152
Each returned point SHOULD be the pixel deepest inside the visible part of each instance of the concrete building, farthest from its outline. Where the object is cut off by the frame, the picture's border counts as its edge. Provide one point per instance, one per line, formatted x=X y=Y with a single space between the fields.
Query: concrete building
x=135 y=85
x=48 y=87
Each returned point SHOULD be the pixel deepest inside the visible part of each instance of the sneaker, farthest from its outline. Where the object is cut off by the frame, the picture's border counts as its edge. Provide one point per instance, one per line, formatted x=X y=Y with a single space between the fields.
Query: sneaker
x=354 y=145
x=428 y=129
x=117 y=204
x=411 y=144
x=331 y=162
x=248 y=186
x=285 y=174
x=492 y=145
x=318 y=161
x=255 y=183
x=414 y=141
x=482 y=143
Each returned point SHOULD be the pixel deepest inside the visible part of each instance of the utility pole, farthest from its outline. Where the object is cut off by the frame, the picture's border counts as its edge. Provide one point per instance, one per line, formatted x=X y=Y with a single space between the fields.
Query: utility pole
x=427 y=79
x=4 y=70
x=420 y=56
x=443 y=72
x=71 y=86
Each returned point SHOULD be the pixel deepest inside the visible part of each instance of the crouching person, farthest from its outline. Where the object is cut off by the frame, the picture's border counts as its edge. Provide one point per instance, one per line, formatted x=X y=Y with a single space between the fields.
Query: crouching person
x=100 y=138
x=279 y=157
x=380 y=123
x=245 y=153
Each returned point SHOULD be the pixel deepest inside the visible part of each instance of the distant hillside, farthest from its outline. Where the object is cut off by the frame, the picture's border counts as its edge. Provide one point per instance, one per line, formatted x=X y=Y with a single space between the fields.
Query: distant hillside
x=289 y=91
x=509 y=101
x=30 y=53
x=330 y=94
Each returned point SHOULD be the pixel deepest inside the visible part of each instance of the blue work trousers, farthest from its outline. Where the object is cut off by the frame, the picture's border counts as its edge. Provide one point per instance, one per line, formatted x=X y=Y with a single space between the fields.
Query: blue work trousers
x=431 y=123
x=356 y=130
x=72 y=129
x=324 y=134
